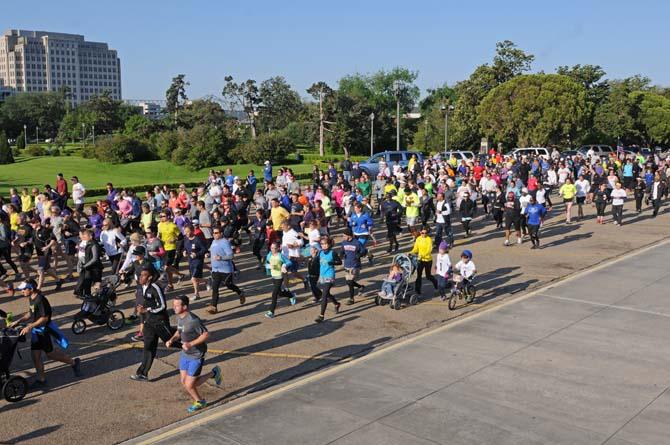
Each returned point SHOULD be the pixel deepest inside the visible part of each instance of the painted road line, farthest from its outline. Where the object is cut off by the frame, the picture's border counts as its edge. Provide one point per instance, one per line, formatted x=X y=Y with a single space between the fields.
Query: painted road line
x=485 y=310
x=611 y=306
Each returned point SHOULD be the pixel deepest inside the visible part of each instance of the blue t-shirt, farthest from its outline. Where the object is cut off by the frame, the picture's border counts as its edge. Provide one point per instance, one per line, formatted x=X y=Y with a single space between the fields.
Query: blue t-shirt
x=535 y=213
x=628 y=170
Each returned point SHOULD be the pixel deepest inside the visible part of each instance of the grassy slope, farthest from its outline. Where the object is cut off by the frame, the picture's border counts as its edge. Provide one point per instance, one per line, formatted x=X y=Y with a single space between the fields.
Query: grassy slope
x=28 y=172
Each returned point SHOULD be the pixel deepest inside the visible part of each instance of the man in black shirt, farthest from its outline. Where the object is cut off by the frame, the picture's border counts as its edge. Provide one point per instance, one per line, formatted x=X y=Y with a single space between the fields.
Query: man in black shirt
x=44 y=240
x=41 y=330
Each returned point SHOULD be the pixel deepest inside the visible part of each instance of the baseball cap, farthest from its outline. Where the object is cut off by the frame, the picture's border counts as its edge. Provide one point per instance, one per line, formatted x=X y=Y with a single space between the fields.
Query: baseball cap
x=195 y=222
x=26 y=285
x=267 y=162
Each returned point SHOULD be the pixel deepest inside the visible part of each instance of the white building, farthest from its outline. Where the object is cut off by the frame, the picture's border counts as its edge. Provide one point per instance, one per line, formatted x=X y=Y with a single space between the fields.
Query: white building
x=152 y=110
x=32 y=61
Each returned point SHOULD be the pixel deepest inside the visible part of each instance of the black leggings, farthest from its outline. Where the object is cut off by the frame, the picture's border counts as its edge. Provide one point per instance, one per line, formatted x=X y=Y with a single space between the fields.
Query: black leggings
x=421 y=266
x=115 y=260
x=314 y=286
x=600 y=208
x=353 y=285
x=278 y=288
x=6 y=254
x=325 y=288
x=219 y=278
x=617 y=213
x=534 y=231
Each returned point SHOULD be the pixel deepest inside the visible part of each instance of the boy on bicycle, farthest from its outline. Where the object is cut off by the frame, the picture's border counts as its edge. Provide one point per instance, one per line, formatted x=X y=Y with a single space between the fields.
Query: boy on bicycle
x=465 y=267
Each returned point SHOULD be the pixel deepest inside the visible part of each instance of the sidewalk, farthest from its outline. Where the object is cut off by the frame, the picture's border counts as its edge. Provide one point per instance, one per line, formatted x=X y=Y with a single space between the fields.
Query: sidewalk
x=585 y=361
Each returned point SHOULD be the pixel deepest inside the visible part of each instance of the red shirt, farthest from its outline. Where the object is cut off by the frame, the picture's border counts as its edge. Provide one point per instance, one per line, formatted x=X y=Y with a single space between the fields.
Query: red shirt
x=61 y=187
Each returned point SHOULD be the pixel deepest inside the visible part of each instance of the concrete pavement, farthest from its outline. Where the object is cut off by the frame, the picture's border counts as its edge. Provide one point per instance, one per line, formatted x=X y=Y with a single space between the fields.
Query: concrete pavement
x=585 y=361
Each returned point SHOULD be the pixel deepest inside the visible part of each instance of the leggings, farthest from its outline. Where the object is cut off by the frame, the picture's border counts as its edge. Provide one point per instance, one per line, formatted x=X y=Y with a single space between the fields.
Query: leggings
x=325 y=287
x=351 y=284
x=219 y=278
x=617 y=213
x=278 y=288
x=600 y=208
x=6 y=253
x=314 y=286
x=534 y=231
x=421 y=266
x=115 y=260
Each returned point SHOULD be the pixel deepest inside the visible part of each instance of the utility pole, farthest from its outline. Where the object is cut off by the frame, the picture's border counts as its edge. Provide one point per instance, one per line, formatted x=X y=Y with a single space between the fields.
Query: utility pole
x=321 y=151
x=372 y=134
x=397 y=86
x=446 y=110
x=37 y=134
x=93 y=134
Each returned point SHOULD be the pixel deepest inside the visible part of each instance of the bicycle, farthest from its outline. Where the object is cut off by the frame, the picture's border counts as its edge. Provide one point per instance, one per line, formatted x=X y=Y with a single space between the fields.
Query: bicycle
x=462 y=289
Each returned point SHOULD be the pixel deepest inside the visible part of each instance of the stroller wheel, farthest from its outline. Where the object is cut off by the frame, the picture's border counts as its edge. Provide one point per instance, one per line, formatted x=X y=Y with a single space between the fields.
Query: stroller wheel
x=116 y=320
x=15 y=389
x=396 y=304
x=414 y=299
x=78 y=326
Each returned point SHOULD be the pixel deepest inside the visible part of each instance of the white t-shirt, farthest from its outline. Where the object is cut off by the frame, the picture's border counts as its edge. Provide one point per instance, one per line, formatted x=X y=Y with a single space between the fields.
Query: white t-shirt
x=618 y=196
x=291 y=237
x=442 y=264
x=563 y=174
x=465 y=269
x=78 y=191
x=442 y=209
x=582 y=187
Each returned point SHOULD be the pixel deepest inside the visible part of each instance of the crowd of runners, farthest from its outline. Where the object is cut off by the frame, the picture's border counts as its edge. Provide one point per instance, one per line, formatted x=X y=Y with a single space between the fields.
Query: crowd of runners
x=297 y=232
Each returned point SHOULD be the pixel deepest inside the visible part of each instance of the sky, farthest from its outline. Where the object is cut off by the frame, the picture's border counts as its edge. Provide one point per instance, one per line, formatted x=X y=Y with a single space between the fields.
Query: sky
x=309 y=41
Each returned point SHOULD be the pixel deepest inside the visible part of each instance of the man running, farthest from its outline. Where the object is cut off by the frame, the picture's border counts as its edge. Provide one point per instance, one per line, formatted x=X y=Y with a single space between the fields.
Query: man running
x=193 y=335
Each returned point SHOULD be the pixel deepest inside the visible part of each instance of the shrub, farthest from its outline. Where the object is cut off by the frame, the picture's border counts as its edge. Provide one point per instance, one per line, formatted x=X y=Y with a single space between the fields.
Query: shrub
x=88 y=152
x=166 y=142
x=274 y=146
x=21 y=141
x=121 y=149
x=202 y=146
x=6 y=156
x=35 y=150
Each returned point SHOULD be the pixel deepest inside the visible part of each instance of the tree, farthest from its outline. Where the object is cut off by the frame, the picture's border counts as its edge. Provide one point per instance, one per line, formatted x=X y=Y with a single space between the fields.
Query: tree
x=138 y=126
x=6 y=156
x=205 y=111
x=243 y=96
x=533 y=110
x=274 y=146
x=175 y=95
x=122 y=149
x=616 y=118
x=44 y=110
x=320 y=91
x=21 y=141
x=654 y=116
x=280 y=104
x=202 y=146
x=597 y=89
x=510 y=61
x=105 y=112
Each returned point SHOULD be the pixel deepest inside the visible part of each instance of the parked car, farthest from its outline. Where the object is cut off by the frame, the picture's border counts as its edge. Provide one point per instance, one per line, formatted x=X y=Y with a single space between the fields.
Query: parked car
x=371 y=166
x=529 y=151
x=459 y=155
x=569 y=153
x=599 y=149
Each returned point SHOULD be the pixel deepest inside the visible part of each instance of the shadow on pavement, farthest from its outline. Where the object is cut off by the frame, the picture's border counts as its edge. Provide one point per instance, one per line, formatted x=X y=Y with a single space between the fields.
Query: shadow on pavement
x=32 y=435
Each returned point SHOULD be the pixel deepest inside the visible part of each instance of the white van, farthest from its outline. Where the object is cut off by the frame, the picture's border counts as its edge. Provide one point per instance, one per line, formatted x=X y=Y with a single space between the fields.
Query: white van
x=529 y=151
x=459 y=155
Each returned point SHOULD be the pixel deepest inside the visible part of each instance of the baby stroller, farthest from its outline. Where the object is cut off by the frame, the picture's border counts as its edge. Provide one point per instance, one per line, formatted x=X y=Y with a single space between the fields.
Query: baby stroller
x=14 y=387
x=403 y=289
x=98 y=308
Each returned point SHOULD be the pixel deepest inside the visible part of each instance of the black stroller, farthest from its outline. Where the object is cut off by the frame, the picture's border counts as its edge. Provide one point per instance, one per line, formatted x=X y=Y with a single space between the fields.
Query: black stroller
x=99 y=308
x=14 y=387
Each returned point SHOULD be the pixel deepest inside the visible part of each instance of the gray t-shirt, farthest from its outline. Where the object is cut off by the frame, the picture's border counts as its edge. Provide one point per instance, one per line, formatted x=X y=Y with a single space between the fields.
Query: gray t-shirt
x=206 y=219
x=191 y=327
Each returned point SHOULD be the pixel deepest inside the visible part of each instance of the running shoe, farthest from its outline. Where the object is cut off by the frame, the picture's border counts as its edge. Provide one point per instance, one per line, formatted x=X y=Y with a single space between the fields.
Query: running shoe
x=293 y=300
x=193 y=297
x=361 y=290
x=243 y=298
x=139 y=378
x=59 y=284
x=38 y=384
x=350 y=301
x=269 y=314
x=209 y=285
x=318 y=319
x=216 y=375
x=197 y=406
x=506 y=242
x=137 y=337
x=76 y=367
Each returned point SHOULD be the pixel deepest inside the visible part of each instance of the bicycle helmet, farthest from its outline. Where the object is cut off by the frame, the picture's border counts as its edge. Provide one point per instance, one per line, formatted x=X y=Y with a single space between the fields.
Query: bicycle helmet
x=467 y=253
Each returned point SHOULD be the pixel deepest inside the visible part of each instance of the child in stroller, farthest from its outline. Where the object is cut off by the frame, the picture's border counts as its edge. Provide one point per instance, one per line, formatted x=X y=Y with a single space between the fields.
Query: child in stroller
x=391 y=282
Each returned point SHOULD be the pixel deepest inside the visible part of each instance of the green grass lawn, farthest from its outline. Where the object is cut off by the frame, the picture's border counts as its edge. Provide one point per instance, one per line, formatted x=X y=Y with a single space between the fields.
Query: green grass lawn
x=37 y=171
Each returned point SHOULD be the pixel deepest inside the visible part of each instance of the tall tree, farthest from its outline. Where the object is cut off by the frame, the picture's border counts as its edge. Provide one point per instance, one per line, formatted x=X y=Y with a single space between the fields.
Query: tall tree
x=533 y=110
x=320 y=91
x=175 y=95
x=280 y=104
x=617 y=117
x=243 y=96
x=654 y=116
x=6 y=156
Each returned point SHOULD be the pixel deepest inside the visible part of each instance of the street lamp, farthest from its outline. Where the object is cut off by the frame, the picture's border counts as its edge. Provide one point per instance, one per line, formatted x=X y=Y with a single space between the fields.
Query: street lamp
x=93 y=134
x=37 y=134
x=83 y=134
x=25 y=134
x=372 y=134
x=446 y=110
x=397 y=87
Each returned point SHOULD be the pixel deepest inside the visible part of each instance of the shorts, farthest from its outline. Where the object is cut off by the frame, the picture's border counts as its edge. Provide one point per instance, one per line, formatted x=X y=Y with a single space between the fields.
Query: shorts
x=352 y=274
x=192 y=366
x=195 y=268
x=411 y=220
x=512 y=222
x=41 y=342
x=43 y=263
x=567 y=200
x=170 y=257
x=581 y=199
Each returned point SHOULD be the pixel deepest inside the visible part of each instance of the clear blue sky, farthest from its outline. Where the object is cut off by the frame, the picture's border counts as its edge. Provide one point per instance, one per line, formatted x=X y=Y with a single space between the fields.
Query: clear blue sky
x=306 y=41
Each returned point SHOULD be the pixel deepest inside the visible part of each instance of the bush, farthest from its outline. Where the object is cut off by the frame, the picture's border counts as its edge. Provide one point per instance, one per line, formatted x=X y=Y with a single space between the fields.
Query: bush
x=122 y=149
x=87 y=152
x=21 y=141
x=274 y=146
x=6 y=156
x=202 y=146
x=35 y=150
x=165 y=143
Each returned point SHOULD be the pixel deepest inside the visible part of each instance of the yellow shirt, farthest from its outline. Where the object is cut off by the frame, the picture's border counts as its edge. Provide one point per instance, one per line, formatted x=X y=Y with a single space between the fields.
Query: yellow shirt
x=388 y=188
x=26 y=203
x=168 y=232
x=423 y=248
x=412 y=204
x=568 y=191
x=278 y=215
x=14 y=221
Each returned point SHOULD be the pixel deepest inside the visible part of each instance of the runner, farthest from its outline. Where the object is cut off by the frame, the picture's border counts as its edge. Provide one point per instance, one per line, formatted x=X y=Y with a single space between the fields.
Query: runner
x=194 y=250
x=618 y=197
x=277 y=265
x=534 y=214
x=193 y=336
x=352 y=253
x=328 y=259
x=221 y=254
x=567 y=192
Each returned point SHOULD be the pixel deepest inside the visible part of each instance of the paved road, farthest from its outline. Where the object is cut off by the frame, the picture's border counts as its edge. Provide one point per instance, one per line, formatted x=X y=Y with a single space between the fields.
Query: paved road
x=586 y=361
x=255 y=353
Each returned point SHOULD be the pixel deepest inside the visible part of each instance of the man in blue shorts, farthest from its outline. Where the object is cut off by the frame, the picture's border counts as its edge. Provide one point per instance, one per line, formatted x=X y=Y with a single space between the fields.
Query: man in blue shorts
x=193 y=335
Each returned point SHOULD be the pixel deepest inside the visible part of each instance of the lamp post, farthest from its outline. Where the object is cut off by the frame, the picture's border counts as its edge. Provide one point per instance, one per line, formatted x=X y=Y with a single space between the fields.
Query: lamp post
x=397 y=87
x=93 y=134
x=37 y=134
x=372 y=134
x=83 y=134
x=25 y=134
x=446 y=110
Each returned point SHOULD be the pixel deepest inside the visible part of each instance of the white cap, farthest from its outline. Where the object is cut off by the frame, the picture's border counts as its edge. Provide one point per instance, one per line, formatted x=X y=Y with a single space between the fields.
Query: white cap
x=267 y=162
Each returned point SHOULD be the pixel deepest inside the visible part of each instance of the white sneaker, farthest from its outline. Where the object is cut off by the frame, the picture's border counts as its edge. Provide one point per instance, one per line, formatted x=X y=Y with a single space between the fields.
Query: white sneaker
x=507 y=242
x=193 y=297
x=519 y=240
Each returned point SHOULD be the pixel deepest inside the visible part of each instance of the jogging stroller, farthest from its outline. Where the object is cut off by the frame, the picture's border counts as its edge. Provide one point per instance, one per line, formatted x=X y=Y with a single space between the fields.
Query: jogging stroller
x=14 y=387
x=403 y=289
x=99 y=308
